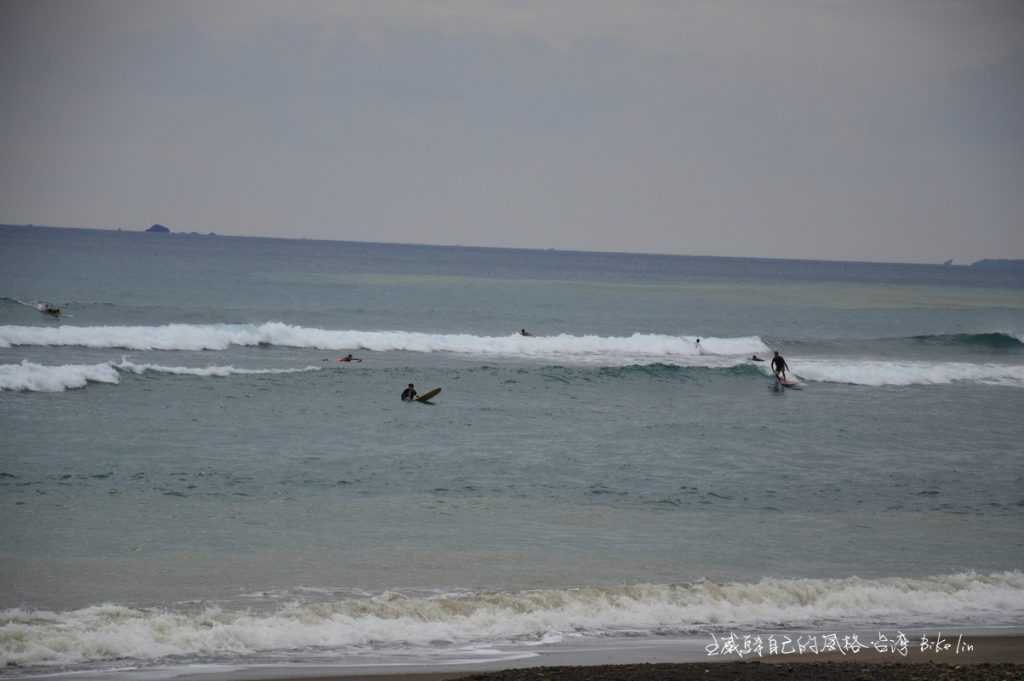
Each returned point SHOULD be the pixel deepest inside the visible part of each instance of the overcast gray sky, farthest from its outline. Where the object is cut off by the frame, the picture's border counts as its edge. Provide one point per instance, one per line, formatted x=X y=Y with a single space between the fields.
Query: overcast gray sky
x=876 y=130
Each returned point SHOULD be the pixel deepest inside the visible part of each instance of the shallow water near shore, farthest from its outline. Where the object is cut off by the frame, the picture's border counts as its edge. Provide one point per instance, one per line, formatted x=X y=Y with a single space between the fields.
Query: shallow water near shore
x=189 y=477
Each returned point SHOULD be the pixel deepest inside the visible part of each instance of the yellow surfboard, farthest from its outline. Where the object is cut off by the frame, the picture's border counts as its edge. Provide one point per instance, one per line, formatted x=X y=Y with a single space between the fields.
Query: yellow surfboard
x=425 y=397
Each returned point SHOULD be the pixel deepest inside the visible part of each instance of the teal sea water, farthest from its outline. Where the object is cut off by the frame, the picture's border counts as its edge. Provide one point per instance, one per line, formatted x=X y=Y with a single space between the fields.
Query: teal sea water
x=189 y=477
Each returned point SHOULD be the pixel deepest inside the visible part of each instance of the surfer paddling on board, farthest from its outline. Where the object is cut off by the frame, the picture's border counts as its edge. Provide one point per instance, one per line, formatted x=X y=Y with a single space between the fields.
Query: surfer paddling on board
x=524 y=332
x=409 y=394
x=349 y=358
x=755 y=358
x=780 y=367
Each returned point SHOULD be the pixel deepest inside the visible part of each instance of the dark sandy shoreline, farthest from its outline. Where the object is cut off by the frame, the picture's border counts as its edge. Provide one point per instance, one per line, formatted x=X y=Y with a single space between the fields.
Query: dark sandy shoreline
x=993 y=658
x=729 y=671
x=759 y=671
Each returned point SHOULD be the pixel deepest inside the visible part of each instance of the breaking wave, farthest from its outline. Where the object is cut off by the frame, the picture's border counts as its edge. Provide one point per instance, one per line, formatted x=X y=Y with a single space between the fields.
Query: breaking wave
x=662 y=371
x=346 y=624
x=880 y=373
x=32 y=377
x=994 y=340
x=838 y=370
x=221 y=336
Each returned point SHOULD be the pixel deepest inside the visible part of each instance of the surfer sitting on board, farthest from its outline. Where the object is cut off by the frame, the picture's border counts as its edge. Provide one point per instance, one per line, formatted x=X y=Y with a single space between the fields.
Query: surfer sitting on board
x=409 y=394
x=349 y=358
x=779 y=366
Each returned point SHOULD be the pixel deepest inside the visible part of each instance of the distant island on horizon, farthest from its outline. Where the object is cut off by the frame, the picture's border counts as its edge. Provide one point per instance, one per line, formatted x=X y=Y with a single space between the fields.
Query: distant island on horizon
x=984 y=263
x=160 y=229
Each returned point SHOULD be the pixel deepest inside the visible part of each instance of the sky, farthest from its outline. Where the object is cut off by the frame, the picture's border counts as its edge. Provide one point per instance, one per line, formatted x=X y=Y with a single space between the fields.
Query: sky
x=862 y=130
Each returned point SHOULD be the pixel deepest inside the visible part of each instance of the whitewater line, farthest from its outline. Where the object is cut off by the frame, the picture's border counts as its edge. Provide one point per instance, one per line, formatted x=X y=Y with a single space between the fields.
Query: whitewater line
x=906 y=372
x=32 y=377
x=222 y=336
x=111 y=631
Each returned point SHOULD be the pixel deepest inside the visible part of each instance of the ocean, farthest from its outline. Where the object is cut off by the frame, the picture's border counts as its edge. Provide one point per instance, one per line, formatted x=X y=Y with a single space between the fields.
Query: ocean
x=190 y=480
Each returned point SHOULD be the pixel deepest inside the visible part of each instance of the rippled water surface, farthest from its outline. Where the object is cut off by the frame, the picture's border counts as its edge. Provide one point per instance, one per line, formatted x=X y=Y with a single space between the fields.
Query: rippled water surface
x=187 y=474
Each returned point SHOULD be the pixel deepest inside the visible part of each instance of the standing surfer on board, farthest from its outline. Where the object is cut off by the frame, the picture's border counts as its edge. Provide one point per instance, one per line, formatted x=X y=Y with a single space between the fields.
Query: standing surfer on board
x=780 y=367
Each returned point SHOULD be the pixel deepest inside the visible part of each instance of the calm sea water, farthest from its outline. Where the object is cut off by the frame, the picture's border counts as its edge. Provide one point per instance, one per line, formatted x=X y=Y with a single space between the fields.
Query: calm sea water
x=188 y=476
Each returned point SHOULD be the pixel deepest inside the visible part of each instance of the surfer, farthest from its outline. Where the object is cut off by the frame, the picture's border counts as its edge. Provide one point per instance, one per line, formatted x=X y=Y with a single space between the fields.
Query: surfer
x=46 y=308
x=409 y=394
x=755 y=358
x=349 y=358
x=525 y=333
x=779 y=366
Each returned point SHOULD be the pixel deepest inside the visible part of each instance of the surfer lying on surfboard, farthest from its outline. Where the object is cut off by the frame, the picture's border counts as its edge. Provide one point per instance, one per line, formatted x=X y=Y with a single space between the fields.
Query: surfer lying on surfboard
x=349 y=358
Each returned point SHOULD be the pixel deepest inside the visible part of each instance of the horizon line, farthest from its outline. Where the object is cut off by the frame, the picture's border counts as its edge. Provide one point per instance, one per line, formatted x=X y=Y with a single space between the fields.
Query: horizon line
x=509 y=248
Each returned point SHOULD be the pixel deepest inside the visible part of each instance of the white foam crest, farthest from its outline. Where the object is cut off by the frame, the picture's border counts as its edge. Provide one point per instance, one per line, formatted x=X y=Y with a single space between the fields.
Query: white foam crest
x=222 y=336
x=31 y=377
x=215 y=371
x=879 y=373
x=390 y=619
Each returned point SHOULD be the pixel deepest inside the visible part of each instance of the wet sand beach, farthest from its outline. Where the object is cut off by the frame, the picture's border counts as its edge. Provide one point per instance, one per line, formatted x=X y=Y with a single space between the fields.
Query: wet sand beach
x=731 y=671
x=994 y=658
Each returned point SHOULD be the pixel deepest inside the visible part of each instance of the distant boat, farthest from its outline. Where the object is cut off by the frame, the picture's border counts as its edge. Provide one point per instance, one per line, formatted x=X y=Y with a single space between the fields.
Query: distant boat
x=948 y=262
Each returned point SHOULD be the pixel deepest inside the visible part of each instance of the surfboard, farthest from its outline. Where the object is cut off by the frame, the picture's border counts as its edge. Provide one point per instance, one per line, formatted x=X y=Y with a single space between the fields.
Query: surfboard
x=425 y=397
x=791 y=383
